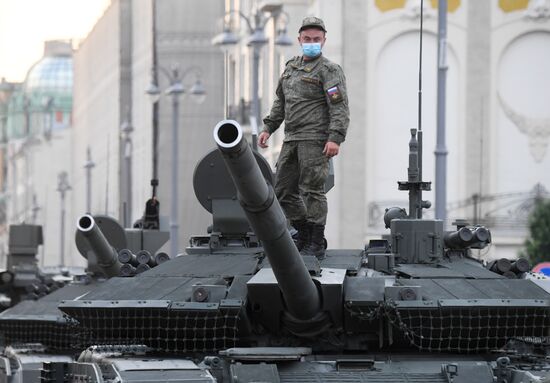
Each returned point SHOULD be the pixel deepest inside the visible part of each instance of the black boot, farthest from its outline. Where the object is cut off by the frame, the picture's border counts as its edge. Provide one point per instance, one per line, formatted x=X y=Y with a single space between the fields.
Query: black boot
x=316 y=246
x=304 y=233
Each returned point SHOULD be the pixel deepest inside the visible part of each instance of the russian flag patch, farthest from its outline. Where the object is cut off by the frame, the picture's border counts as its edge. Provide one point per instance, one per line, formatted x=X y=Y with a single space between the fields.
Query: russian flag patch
x=334 y=94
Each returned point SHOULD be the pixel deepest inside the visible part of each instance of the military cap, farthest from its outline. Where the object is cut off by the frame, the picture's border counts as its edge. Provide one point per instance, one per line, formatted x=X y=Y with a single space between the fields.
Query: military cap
x=312 y=22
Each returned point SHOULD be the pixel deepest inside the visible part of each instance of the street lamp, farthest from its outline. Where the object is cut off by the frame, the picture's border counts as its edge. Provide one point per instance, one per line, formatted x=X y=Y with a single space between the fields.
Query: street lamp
x=176 y=89
x=89 y=165
x=62 y=187
x=226 y=40
x=126 y=130
x=256 y=40
x=35 y=209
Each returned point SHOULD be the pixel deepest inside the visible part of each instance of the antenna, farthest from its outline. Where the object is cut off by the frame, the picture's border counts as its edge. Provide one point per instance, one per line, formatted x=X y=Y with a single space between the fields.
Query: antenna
x=414 y=184
x=420 y=68
x=107 y=180
x=155 y=80
x=420 y=134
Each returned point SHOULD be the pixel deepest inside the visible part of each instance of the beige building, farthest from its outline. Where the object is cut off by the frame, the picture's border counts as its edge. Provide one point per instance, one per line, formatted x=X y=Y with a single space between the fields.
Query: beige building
x=112 y=72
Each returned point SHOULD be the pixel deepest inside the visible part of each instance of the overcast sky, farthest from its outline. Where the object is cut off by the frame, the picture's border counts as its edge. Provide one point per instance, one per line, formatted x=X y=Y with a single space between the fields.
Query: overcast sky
x=26 y=24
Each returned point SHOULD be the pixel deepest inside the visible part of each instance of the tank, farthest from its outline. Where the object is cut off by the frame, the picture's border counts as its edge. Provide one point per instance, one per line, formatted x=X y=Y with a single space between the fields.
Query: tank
x=22 y=278
x=242 y=305
x=35 y=331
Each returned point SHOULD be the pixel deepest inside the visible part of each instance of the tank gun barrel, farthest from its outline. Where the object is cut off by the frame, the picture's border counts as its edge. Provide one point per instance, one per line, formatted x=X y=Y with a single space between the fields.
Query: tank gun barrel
x=268 y=221
x=107 y=257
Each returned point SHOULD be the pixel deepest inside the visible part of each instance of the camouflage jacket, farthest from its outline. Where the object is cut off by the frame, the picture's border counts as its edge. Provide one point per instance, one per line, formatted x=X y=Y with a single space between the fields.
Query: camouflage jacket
x=311 y=98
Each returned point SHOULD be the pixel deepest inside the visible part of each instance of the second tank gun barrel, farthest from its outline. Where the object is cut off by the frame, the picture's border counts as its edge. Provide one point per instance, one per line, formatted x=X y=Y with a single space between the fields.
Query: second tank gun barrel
x=107 y=257
x=268 y=221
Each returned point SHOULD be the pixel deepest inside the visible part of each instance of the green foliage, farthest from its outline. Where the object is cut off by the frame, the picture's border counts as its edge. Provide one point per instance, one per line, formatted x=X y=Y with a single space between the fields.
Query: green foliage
x=537 y=246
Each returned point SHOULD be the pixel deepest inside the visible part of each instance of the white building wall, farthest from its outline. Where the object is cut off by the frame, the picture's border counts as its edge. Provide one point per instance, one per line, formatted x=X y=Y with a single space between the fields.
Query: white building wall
x=519 y=119
x=96 y=118
x=522 y=114
x=104 y=85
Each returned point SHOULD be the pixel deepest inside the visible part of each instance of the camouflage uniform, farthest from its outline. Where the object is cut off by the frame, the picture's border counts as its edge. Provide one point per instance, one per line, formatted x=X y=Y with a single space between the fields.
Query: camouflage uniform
x=312 y=100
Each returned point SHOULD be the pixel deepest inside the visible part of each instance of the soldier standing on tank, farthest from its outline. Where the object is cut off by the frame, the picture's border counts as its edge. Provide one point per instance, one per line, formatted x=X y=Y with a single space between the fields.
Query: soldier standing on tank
x=311 y=98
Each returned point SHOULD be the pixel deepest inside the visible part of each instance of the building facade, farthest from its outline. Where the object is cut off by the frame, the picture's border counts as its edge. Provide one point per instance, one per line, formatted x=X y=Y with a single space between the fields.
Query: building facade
x=497 y=109
x=37 y=153
x=135 y=42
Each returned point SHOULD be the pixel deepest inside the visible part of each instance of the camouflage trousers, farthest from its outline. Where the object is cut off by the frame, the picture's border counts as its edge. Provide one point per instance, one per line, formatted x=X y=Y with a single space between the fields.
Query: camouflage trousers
x=302 y=170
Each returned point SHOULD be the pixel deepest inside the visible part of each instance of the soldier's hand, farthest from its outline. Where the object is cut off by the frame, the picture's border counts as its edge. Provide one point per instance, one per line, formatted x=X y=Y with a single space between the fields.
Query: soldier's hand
x=331 y=149
x=262 y=139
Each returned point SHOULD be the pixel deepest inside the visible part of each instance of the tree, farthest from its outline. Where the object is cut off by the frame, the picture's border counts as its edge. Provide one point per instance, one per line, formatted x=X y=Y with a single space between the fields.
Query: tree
x=537 y=246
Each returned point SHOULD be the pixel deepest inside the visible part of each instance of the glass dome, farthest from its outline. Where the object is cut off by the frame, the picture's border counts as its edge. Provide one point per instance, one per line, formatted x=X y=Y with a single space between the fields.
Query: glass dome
x=53 y=75
x=44 y=102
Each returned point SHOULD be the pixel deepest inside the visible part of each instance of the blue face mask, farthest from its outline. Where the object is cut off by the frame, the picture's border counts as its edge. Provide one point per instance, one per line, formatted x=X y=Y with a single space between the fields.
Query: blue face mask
x=311 y=49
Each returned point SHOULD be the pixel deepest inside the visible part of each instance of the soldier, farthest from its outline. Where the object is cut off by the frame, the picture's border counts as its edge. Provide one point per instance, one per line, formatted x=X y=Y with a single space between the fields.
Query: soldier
x=311 y=99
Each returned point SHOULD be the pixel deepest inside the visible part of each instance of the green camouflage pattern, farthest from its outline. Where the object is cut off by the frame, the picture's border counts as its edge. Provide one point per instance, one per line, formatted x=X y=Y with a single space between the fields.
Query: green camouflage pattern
x=302 y=170
x=311 y=99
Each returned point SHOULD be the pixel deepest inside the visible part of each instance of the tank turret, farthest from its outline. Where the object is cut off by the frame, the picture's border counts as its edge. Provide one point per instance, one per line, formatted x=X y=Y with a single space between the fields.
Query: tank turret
x=23 y=279
x=107 y=246
x=35 y=331
x=243 y=305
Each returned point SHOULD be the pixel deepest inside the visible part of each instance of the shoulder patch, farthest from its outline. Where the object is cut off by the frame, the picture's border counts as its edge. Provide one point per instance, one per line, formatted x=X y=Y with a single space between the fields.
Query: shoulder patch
x=332 y=67
x=291 y=60
x=334 y=94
